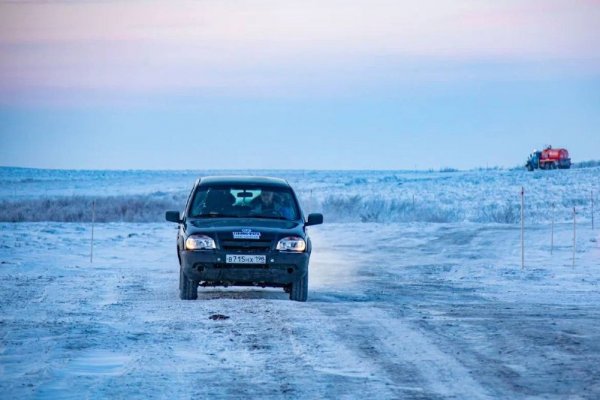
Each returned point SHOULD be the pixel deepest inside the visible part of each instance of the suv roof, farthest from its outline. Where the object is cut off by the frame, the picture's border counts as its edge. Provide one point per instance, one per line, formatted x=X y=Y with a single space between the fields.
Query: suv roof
x=243 y=180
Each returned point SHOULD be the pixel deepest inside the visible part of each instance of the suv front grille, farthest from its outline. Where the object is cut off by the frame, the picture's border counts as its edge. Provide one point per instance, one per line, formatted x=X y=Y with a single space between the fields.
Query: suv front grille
x=246 y=246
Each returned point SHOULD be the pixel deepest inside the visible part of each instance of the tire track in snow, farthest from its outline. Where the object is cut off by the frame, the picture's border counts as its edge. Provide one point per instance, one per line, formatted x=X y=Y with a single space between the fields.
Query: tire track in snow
x=332 y=366
x=402 y=350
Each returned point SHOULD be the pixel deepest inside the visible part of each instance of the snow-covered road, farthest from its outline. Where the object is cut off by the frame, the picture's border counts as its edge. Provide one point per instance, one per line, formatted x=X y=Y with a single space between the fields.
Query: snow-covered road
x=416 y=311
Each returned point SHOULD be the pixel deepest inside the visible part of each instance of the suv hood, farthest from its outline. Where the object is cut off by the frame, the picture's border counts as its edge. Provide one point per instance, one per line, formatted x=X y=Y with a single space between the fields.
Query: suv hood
x=223 y=228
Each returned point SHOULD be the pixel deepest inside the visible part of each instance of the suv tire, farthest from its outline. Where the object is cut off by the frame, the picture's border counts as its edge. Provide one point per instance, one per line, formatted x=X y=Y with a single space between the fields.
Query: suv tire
x=299 y=290
x=188 y=289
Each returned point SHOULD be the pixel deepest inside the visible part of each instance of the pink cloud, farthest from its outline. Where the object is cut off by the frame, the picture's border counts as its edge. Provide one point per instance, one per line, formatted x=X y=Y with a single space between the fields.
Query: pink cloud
x=162 y=46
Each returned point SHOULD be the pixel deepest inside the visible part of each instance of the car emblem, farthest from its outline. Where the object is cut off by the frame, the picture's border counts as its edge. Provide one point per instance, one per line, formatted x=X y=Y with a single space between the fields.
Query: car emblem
x=246 y=233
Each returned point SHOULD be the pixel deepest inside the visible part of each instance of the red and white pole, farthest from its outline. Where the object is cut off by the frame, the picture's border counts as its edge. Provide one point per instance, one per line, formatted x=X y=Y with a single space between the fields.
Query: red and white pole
x=92 y=242
x=574 y=235
x=552 y=231
x=592 y=195
x=522 y=227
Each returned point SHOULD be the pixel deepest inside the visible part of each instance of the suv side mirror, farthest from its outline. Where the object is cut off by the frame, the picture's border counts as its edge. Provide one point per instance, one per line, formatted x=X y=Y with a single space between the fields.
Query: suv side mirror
x=314 y=219
x=173 y=216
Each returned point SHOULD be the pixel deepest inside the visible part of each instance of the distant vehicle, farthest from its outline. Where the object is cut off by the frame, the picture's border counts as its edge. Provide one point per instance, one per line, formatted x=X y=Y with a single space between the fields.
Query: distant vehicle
x=549 y=158
x=243 y=231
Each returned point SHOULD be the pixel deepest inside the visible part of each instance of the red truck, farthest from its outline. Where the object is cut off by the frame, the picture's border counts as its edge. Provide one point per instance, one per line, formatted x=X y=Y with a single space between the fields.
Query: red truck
x=549 y=158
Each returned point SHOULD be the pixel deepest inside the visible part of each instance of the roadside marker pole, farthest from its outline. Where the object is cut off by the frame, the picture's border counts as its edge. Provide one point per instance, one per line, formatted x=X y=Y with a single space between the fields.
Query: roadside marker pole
x=522 y=228
x=92 y=242
x=592 y=194
x=574 y=235
x=552 y=231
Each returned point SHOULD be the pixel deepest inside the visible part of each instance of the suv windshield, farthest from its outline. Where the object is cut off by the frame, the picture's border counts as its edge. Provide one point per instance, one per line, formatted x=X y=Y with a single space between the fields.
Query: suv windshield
x=244 y=202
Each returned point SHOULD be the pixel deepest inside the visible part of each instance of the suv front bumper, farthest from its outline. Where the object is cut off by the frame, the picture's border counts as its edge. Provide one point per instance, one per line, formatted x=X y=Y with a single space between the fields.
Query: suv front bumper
x=209 y=268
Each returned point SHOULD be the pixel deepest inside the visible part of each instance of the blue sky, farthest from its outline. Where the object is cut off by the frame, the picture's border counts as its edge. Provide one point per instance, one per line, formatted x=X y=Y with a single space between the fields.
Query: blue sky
x=325 y=85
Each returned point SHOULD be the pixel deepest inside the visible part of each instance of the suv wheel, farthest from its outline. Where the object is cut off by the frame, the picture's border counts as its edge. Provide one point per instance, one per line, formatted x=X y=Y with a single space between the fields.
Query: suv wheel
x=188 y=289
x=299 y=290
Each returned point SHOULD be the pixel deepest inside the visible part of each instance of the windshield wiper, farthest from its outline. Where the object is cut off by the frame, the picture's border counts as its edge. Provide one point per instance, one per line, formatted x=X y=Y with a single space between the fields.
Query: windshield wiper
x=215 y=215
x=267 y=216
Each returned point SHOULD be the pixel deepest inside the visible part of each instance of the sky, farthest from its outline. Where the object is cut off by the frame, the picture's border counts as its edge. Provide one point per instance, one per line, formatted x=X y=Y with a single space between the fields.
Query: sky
x=275 y=84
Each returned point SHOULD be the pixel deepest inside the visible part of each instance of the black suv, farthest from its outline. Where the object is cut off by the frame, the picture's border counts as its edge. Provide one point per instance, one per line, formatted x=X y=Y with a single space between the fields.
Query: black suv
x=243 y=231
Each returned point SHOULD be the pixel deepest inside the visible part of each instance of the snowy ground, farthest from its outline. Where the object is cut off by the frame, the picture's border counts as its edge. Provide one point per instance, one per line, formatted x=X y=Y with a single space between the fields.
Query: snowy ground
x=403 y=310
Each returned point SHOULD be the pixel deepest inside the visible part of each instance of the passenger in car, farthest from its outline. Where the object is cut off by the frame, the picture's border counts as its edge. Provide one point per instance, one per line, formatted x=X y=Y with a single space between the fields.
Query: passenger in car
x=218 y=202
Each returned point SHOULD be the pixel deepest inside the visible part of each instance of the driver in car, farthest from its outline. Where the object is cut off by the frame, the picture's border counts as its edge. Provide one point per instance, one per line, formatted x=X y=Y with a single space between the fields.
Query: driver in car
x=269 y=204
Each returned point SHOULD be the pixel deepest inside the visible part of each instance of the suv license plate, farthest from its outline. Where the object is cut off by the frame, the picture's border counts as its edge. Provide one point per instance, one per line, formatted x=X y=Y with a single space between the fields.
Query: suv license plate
x=245 y=259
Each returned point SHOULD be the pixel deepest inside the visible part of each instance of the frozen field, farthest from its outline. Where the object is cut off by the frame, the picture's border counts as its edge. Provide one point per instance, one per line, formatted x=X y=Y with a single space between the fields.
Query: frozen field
x=487 y=196
x=401 y=307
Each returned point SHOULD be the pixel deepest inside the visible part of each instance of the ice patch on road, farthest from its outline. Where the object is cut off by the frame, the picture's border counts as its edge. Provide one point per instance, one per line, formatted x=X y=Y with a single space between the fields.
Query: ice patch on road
x=70 y=380
x=98 y=362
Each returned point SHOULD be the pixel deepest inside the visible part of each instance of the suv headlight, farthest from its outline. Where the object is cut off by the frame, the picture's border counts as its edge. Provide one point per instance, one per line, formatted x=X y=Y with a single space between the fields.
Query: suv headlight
x=291 y=243
x=199 y=242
